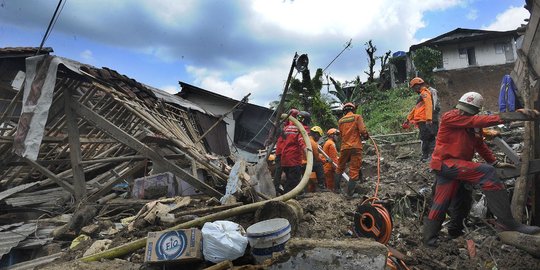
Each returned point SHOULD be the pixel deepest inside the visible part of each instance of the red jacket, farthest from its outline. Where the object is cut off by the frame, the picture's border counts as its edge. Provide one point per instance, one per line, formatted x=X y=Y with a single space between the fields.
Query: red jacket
x=292 y=146
x=460 y=136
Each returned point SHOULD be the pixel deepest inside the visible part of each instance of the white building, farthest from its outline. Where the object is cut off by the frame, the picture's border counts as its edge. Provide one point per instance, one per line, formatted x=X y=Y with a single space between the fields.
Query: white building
x=463 y=48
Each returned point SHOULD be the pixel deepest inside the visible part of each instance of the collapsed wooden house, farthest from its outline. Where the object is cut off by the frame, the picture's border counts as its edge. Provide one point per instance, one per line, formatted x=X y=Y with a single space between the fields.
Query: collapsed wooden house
x=70 y=133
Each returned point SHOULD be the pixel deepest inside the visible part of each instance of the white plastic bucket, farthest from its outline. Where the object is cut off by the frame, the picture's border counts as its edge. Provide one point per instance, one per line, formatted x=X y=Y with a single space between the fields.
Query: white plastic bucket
x=268 y=237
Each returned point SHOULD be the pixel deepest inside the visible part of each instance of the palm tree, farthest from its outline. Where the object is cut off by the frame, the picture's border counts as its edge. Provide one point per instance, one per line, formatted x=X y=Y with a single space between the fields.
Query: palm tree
x=347 y=93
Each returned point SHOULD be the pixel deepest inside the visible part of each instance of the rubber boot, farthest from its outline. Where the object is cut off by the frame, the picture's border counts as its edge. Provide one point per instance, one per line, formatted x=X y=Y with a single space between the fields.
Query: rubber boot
x=499 y=204
x=431 y=230
x=337 y=183
x=351 y=185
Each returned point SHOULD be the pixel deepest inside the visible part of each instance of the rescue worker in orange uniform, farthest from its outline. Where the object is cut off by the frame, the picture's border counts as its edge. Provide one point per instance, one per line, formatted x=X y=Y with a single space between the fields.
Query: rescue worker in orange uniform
x=352 y=130
x=459 y=138
x=330 y=149
x=314 y=136
x=422 y=116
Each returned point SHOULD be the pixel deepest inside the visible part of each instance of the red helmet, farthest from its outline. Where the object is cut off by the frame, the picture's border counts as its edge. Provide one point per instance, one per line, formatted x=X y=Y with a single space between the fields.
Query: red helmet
x=415 y=81
x=294 y=112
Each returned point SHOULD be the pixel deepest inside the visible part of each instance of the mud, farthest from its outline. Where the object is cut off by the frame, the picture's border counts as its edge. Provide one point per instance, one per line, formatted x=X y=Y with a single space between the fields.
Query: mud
x=405 y=187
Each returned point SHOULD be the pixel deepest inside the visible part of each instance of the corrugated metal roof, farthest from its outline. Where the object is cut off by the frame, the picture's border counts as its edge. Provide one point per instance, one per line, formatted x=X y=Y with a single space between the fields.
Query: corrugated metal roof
x=12 y=238
x=16 y=189
x=33 y=264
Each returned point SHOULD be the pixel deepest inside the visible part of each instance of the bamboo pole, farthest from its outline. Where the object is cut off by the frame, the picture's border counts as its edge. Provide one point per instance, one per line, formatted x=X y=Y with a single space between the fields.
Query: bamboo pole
x=520 y=190
x=140 y=243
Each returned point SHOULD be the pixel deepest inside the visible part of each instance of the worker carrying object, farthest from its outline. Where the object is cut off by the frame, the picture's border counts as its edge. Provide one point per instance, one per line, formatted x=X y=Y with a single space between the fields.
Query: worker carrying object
x=330 y=149
x=352 y=130
x=422 y=116
x=460 y=136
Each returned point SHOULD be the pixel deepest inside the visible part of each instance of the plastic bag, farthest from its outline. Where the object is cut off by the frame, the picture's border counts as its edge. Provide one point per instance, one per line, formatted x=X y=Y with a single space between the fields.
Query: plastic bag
x=479 y=209
x=223 y=240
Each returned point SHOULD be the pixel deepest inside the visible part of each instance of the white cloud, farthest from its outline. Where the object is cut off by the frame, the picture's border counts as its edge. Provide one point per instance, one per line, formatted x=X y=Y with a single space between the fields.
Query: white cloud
x=511 y=19
x=87 y=55
x=236 y=47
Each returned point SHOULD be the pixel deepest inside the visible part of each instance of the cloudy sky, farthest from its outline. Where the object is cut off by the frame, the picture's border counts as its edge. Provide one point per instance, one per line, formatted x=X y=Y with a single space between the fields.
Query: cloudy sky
x=236 y=47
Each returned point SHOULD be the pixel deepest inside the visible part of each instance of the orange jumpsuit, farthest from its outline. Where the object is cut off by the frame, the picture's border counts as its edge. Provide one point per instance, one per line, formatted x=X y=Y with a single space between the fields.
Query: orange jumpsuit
x=421 y=115
x=352 y=128
x=330 y=149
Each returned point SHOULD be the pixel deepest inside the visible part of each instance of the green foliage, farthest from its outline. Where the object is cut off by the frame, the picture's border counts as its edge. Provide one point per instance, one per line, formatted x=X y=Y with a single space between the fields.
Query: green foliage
x=425 y=60
x=387 y=110
x=347 y=94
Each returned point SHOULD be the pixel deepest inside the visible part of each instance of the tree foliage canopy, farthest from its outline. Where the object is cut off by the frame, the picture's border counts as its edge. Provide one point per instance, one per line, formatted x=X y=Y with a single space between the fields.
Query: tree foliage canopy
x=426 y=59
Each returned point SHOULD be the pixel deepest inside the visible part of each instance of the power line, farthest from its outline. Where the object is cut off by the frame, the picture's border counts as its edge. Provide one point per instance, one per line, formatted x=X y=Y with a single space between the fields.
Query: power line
x=347 y=45
x=54 y=18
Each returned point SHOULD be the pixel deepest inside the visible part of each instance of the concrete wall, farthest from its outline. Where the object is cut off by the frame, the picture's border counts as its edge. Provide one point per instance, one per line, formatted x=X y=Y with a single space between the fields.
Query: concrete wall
x=486 y=80
x=485 y=54
x=324 y=254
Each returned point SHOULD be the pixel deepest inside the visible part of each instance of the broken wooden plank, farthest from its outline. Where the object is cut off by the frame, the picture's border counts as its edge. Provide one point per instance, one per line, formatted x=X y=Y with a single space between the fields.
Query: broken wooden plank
x=79 y=182
x=50 y=175
x=109 y=185
x=138 y=146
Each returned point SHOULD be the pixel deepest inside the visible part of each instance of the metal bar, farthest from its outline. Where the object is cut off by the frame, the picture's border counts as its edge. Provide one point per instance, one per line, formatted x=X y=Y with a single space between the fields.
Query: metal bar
x=507 y=150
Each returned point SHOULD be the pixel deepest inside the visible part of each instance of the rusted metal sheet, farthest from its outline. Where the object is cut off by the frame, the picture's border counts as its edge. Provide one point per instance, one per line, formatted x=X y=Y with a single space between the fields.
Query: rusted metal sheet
x=11 y=238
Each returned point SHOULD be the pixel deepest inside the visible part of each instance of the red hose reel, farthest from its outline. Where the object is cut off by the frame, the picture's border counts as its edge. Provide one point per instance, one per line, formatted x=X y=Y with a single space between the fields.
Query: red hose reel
x=372 y=220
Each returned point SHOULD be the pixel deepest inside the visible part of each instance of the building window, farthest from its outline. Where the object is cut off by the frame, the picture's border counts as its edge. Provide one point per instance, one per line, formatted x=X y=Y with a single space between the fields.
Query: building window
x=462 y=53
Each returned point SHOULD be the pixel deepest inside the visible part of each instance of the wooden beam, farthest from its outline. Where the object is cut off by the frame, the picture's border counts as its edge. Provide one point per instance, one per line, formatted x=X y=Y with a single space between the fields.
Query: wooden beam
x=515 y=116
x=138 y=146
x=109 y=185
x=50 y=175
x=79 y=182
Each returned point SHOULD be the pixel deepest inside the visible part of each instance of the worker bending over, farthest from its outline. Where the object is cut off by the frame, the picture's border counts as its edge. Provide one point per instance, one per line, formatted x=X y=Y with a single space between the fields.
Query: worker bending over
x=459 y=137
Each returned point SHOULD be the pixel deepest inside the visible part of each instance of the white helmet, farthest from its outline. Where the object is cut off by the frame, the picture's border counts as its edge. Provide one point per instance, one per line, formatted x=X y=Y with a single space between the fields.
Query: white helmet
x=470 y=102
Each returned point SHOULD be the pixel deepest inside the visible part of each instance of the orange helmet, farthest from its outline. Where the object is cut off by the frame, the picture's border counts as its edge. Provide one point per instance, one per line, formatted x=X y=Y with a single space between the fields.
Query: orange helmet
x=349 y=106
x=415 y=81
x=332 y=131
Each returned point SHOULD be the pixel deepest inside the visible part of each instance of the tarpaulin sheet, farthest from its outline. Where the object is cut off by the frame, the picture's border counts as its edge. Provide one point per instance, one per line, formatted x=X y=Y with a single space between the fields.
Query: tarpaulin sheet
x=37 y=98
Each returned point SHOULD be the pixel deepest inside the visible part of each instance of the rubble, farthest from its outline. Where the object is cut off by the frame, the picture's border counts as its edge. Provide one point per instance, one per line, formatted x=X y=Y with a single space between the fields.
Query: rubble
x=93 y=161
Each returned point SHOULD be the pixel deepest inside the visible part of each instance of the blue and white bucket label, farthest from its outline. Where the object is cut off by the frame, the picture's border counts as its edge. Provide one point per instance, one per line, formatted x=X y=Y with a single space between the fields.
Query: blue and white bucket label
x=171 y=245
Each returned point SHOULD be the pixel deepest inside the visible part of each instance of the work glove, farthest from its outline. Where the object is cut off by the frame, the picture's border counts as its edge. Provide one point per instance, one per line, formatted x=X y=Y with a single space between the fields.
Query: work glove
x=405 y=125
x=529 y=112
x=489 y=134
x=365 y=136
x=503 y=165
